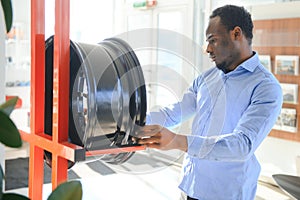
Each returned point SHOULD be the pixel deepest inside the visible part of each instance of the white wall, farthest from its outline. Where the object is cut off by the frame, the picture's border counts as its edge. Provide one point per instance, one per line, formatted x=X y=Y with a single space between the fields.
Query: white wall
x=278 y=156
x=2 y=55
x=275 y=10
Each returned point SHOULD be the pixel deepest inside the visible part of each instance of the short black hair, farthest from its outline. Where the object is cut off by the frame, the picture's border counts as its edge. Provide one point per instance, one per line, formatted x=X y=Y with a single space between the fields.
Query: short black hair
x=232 y=16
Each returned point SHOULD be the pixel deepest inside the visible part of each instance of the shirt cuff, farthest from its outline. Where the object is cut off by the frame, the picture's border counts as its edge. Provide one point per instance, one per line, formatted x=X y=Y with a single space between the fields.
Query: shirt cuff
x=194 y=145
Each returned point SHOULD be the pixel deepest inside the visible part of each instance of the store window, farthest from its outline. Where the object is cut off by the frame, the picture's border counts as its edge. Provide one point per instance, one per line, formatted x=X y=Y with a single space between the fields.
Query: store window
x=159 y=61
x=91 y=21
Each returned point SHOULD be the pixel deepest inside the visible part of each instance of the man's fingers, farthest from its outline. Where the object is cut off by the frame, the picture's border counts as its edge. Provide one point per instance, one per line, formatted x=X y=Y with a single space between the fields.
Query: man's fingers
x=149 y=140
x=150 y=143
x=148 y=130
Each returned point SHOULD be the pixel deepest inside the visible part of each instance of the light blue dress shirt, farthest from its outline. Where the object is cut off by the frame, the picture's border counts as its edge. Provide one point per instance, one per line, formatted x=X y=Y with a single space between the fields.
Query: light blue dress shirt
x=233 y=113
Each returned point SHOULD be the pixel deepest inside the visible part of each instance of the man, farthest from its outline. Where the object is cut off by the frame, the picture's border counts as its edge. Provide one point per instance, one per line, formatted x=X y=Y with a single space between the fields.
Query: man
x=234 y=105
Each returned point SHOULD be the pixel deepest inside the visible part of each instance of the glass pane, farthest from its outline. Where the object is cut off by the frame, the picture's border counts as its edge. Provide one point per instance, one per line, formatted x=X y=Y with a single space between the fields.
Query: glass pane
x=91 y=24
x=88 y=24
x=141 y=21
x=169 y=64
x=138 y=22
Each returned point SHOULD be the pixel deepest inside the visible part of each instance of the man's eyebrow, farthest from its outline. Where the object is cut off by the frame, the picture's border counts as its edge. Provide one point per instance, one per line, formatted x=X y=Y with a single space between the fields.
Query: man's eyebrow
x=209 y=36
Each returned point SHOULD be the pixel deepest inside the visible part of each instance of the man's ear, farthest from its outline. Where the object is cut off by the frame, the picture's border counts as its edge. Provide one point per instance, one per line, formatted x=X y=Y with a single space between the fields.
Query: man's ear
x=237 y=32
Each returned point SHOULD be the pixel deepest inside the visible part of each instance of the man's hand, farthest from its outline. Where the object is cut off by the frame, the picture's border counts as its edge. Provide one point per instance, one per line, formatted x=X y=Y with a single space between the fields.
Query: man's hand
x=156 y=136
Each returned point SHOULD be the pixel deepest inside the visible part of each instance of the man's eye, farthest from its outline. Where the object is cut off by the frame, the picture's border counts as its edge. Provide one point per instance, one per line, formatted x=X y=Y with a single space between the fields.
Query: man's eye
x=212 y=41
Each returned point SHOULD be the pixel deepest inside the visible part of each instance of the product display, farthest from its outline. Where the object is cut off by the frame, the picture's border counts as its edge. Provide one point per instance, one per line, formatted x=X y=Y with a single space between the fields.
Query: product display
x=107 y=96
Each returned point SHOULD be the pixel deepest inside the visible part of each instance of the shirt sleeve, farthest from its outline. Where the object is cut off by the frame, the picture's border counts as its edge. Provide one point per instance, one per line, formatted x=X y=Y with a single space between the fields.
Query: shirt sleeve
x=176 y=113
x=253 y=126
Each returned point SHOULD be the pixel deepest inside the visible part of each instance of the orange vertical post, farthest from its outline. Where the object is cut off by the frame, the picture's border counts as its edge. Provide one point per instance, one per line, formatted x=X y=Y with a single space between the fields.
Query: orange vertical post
x=36 y=165
x=61 y=76
x=60 y=98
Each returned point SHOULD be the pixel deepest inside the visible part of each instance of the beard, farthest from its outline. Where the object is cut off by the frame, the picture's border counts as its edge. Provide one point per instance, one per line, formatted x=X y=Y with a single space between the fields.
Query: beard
x=222 y=66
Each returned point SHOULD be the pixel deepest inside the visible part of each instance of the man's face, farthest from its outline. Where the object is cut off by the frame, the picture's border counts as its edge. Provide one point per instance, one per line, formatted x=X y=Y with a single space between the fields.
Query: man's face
x=221 y=46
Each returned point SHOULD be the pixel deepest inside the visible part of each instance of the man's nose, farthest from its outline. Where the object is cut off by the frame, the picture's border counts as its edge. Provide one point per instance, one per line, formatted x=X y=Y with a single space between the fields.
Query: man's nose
x=208 y=48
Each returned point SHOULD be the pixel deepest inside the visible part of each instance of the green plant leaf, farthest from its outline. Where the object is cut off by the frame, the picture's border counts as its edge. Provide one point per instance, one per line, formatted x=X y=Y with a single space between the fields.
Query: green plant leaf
x=8 y=15
x=13 y=196
x=9 y=105
x=71 y=190
x=9 y=134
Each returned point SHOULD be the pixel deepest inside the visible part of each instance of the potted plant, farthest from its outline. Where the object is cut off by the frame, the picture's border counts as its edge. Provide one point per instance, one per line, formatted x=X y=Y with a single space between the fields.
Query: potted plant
x=9 y=134
x=7 y=11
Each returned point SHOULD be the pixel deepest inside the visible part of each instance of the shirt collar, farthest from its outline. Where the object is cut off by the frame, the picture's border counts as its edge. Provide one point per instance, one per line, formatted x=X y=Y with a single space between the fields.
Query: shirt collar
x=251 y=63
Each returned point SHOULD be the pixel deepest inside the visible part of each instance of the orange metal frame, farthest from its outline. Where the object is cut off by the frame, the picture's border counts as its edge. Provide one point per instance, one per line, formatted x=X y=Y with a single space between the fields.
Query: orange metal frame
x=57 y=144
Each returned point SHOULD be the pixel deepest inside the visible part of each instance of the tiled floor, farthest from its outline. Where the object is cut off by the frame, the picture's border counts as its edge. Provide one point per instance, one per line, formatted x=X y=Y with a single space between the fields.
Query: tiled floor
x=152 y=186
x=142 y=177
x=266 y=191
